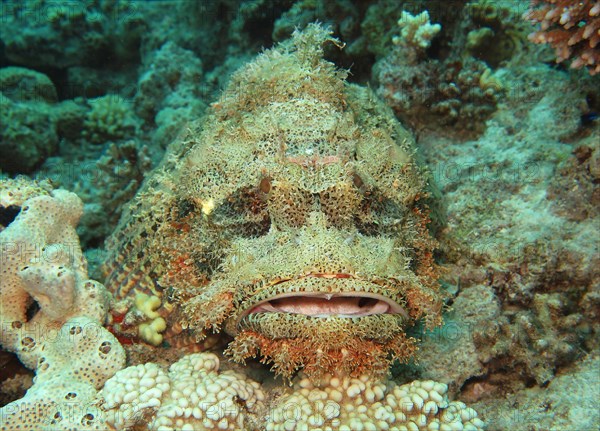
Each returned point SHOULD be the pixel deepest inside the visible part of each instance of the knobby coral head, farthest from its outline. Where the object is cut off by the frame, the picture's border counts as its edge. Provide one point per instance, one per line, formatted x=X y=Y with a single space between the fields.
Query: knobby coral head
x=291 y=217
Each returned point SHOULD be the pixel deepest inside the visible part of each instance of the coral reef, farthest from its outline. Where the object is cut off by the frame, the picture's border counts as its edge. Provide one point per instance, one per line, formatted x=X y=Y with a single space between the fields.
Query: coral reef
x=575 y=190
x=569 y=402
x=107 y=177
x=169 y=94
x=343 y=17
x=27 y=130
x=117 y=175
x=520 y=244
x=451 y=82
x=25 y=85
x=571 y=28
x=510 y=137
x=302 y=235
x=67 y=34
x=70 y=116
x=493 y=32
x=462 y=96
x=461 y=93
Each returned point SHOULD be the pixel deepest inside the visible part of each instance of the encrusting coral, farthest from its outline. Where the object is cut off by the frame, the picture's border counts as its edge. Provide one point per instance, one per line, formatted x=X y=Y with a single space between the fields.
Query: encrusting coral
x=52 y=314
x=295 y=221
x=351 y=404
x=150 y=330
x=42 y=263
x=71 y=368
x=571 y=28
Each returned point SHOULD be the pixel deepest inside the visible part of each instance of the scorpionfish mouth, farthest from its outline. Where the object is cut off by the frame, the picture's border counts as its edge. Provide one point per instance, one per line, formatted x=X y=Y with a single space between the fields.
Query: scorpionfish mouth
x=328 y=304
x=333 y=295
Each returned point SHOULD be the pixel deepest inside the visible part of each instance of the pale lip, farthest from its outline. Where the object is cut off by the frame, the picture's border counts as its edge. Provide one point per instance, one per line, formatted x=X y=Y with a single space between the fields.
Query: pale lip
x=317 y=304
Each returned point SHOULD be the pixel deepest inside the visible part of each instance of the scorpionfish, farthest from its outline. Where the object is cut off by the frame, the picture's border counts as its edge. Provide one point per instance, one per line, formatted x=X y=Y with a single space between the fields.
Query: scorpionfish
x=292 y=217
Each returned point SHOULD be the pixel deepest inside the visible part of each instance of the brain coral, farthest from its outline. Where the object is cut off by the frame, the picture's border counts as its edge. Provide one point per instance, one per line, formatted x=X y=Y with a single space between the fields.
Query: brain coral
x=292 y=218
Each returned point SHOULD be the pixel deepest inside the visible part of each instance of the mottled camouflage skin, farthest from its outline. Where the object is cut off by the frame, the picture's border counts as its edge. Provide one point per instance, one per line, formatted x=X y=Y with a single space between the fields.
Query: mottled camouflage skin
x=296 y=181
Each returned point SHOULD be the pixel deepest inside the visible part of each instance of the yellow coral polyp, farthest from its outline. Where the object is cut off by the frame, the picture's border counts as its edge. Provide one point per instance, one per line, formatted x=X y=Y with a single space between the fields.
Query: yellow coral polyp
x=147 y=304
x=150 y=331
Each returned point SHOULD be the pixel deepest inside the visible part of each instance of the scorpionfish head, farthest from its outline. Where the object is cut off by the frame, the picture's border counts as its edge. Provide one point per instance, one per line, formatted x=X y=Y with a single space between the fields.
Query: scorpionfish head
x=293 y=219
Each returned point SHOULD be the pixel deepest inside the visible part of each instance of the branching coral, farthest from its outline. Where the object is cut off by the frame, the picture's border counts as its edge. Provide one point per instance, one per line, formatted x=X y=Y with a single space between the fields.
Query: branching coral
x=571 y=28
x=417 y=31
x=462 y=94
